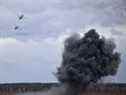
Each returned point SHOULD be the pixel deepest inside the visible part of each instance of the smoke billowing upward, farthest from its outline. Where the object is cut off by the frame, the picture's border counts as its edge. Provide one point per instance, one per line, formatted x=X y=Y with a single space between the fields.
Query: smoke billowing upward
x=87 y=59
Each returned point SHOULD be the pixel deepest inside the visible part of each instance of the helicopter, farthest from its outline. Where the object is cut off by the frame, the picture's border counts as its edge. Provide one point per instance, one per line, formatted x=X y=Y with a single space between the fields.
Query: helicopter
x=21 y=17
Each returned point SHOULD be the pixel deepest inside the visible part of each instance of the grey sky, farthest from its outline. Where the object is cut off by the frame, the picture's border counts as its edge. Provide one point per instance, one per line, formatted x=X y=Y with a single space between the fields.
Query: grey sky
x=33 y=51
x=50 y=18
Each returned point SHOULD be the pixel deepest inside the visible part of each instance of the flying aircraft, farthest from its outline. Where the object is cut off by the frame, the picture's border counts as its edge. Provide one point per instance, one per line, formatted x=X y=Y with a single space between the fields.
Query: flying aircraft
x=21 y=17
x=16 y=27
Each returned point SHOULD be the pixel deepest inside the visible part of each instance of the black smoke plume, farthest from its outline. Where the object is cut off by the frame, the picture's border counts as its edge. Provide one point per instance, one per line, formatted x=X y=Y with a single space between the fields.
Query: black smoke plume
x=86 y=60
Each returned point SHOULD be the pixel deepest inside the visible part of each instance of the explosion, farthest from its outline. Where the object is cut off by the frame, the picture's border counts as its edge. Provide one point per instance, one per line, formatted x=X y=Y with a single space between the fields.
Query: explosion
x=86 y=60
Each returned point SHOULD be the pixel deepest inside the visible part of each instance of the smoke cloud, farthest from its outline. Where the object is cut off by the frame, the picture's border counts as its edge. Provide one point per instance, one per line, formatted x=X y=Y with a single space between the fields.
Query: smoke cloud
x=87 y=60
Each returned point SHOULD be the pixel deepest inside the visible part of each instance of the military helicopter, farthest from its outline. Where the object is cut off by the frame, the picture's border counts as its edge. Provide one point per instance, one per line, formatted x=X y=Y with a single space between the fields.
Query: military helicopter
x=16 y=27
x=21 y=17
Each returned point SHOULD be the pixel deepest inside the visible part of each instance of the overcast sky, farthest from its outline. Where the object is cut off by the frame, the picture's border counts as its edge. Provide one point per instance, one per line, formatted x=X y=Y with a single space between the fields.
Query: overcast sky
x=32 y=52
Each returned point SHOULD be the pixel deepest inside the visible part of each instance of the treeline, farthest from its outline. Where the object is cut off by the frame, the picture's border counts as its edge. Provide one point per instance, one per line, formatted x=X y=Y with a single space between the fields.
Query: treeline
x=26 y=87
x=33 y=87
